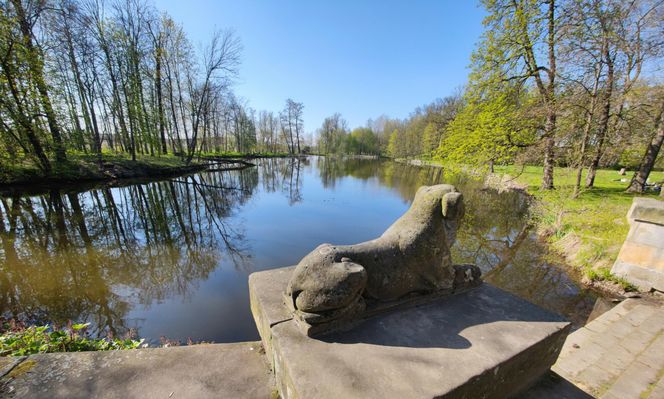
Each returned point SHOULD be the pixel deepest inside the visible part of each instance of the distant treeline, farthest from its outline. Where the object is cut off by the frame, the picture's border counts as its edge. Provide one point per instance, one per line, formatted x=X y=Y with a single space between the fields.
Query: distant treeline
x=86 y=76
x=574 y=83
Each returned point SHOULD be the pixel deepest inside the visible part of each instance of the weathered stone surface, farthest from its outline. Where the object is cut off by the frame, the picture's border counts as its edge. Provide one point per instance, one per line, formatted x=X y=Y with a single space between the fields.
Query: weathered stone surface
x=201 y=371
x=7 y=364
x=266 y=310
x=648 y=210
x=618 y=355
x=641 y=258
x=480 y=343
x=412 y=257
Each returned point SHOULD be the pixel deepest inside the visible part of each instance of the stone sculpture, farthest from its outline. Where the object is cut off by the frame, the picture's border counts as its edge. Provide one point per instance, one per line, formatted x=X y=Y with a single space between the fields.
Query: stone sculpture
x=336 y=284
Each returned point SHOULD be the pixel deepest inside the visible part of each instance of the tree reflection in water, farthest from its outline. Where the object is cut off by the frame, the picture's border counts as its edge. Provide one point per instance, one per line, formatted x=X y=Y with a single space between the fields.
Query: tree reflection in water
x=90 y=255
x=96 y=255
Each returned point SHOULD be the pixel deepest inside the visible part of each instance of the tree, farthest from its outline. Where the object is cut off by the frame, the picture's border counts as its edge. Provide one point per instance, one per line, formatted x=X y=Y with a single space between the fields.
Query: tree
x=35 y=64
x=487 y=131
x=268 y=128
x=80 y=75
x=520 y=45
x=331 y=134
x=396 y=147
x=220 y=64
x=638 y=182
x=291 y=120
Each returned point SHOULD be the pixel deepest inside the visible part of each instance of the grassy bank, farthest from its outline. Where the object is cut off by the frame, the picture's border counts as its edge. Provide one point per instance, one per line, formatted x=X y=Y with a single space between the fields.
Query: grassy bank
x=82 y=167
x=235 y=154
x=590 y=229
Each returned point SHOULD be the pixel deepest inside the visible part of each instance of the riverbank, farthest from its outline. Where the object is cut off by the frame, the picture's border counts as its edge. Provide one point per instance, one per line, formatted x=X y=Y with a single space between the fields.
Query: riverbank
x=88 y=168
x=588 y=230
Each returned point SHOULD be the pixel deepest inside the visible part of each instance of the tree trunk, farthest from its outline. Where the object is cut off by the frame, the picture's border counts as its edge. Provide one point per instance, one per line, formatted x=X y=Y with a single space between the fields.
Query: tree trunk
x=90 y=125
x=638 y=183
x=582 y=157
x=160 y=102
x=604 y=118
x=28 y=127
x=36 y=69
x=549 y=151
x=586 y=134
x=549 y=95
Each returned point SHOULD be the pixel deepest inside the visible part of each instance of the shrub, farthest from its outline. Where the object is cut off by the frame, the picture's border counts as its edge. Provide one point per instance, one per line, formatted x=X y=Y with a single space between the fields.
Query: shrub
x=19 y=340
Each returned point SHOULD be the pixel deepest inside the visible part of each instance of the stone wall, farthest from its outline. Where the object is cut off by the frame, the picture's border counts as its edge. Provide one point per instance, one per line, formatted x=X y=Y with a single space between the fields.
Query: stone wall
x=641 y=258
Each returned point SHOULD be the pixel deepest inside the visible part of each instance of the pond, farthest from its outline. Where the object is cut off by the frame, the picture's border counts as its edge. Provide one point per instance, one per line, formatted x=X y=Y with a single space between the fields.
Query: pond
x=171 y=258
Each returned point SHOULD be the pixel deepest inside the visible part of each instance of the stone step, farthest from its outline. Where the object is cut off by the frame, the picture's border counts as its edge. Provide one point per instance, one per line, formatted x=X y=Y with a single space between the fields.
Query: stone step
x=198 y=371
x=618 y=355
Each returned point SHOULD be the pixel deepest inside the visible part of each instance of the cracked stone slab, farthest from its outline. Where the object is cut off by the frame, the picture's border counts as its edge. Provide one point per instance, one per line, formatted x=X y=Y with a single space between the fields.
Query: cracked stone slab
x=198 y=371
x=481 y=343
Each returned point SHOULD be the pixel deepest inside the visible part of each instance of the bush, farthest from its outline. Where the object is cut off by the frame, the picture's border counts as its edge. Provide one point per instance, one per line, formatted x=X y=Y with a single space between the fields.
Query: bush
x=19 y=340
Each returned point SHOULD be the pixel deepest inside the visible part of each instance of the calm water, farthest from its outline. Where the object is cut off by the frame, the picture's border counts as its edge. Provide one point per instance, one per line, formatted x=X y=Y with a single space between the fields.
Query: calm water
x=171 y=258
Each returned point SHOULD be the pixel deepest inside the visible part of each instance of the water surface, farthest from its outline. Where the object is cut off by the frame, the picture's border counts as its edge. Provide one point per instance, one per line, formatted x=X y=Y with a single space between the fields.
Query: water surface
x=171 y=258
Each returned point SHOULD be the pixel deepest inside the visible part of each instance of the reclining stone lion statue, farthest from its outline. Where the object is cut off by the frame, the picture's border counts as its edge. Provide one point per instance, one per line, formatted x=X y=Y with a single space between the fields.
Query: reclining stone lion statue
x=335 y=284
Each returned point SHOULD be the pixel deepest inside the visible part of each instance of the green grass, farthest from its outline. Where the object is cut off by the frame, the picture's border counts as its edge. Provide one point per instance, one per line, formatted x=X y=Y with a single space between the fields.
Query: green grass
x=84 y=166
x=596 y=218
x=80 y=165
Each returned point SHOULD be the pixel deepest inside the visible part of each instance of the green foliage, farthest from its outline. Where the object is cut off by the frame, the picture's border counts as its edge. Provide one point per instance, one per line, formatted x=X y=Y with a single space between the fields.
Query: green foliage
x=86 y=167
x=17 y=340
x=334 y=139
x=362 y=141
x=431 y=138
x=393 y=144
x=485 y=132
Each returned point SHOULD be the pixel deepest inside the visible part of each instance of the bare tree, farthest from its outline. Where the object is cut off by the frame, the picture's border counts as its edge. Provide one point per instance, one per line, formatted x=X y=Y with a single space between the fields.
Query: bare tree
x=220 y=64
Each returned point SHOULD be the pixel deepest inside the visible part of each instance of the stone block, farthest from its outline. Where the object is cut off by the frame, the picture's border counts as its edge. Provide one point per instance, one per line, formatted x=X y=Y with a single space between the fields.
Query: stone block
x=268 y=312
x=480 y=343
x=648 y=210
x=198 y=371
x=641 y=258
x=644 y=278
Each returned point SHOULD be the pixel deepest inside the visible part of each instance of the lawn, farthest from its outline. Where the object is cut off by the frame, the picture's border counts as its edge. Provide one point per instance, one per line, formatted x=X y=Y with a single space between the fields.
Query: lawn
x=589 y=229
x=81 y=166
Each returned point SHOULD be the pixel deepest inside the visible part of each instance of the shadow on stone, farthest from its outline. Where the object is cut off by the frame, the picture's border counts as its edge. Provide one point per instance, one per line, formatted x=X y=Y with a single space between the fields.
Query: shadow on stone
x=421 y=326
x=554 y=386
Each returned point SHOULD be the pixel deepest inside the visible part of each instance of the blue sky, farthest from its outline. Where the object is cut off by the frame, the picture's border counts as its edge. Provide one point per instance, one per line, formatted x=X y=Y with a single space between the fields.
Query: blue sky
x=359 y=58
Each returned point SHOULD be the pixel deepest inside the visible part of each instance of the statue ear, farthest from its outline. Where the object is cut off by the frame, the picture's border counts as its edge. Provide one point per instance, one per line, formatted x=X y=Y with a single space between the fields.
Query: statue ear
x=453 y=207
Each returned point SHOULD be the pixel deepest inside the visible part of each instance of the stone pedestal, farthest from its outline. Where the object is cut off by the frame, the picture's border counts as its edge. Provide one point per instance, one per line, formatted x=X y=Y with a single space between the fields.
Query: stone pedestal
x=483 y=343
x=641 y=258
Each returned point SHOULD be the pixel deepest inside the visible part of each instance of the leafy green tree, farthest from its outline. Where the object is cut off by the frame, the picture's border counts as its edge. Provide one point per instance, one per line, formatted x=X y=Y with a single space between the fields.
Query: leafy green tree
x=520 y=45
x=396 y=147
x=485 y=132
x=364 y=142
x=431 y=138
